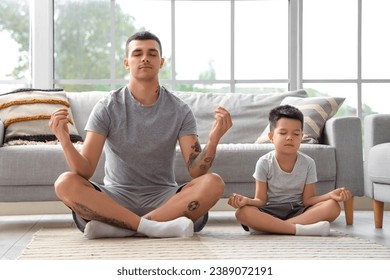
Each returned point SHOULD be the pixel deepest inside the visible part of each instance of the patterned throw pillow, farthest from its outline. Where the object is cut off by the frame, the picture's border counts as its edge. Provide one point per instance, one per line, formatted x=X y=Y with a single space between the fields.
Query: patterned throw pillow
x=25 y=114
x=316 y=111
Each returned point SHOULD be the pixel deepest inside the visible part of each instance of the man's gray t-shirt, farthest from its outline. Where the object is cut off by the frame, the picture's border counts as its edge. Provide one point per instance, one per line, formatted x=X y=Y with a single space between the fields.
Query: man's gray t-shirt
x=285 y=187
x=141 y=140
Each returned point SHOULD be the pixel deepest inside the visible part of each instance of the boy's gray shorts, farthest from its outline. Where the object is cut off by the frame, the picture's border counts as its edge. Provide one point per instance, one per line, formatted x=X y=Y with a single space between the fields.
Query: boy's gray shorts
x=139 y=200
x=283 y=211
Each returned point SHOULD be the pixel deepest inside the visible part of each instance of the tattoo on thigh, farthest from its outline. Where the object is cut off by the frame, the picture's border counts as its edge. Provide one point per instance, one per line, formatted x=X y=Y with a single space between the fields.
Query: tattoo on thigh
x=193 y=205
x=89 y=214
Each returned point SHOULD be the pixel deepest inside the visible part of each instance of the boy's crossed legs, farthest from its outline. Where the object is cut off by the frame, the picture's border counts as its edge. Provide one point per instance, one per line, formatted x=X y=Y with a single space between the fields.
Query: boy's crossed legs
x=314 y=220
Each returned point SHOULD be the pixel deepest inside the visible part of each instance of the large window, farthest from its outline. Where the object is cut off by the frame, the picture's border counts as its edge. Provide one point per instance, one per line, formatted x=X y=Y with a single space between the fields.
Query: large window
x=328 y=47
x=375 y=56
x=330 y=50
x=346 y=53
x=14 y=38
x=208 y=45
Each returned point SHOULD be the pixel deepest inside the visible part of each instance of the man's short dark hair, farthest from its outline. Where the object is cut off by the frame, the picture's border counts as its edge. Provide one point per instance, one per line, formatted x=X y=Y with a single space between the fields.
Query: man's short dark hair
x=143 y=35
x=284 y=111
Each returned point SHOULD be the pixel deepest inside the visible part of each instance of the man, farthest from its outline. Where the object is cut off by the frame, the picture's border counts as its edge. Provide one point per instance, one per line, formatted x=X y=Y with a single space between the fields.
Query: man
x=139 y=126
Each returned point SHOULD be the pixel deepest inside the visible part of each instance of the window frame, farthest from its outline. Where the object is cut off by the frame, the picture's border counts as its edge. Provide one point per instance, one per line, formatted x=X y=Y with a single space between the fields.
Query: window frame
x=42 y=65
x=42 y=19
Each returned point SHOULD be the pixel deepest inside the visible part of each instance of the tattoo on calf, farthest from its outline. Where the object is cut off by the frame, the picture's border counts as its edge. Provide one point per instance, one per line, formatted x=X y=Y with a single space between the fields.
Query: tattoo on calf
x=193 y=205
x=89 y=214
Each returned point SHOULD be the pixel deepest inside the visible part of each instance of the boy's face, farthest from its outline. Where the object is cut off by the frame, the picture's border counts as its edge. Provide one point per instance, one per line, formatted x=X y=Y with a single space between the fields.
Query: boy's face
x=144 y=59
x=287 y=135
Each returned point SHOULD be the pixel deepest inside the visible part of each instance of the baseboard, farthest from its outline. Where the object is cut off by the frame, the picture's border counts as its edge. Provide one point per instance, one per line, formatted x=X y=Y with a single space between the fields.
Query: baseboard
x=56 y=207
x=33 y=208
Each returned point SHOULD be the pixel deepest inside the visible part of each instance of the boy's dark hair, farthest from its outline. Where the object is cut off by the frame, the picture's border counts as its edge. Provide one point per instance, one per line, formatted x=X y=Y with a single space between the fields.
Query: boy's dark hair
x=143 y=35
x=284 y=111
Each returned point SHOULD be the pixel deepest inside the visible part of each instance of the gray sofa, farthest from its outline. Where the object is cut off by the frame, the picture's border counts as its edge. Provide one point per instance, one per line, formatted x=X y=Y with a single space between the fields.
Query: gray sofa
x=27 y=172
x=377 y=162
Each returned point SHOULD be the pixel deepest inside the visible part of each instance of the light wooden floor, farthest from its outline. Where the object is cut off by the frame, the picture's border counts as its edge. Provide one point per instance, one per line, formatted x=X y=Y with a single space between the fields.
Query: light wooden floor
x=16 y=231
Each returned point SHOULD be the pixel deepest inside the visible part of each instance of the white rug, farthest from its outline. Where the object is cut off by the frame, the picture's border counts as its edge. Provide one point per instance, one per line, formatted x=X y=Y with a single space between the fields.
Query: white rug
x=216 y=241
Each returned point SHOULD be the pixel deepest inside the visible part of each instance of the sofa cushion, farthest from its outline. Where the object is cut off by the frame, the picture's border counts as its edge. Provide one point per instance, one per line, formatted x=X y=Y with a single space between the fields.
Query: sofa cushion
x=26 y=113
x=249 y=112
x=316 y=111
x=36 y=165
x=378 y=163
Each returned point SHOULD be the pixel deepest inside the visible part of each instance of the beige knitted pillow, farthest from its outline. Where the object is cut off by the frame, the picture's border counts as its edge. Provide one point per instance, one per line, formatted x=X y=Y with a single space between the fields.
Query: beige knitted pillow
x=316 y=111
x=26 y=114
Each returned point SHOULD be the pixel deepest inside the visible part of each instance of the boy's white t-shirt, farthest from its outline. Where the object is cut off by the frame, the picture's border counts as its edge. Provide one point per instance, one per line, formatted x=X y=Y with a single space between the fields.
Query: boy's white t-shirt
x=284 y=187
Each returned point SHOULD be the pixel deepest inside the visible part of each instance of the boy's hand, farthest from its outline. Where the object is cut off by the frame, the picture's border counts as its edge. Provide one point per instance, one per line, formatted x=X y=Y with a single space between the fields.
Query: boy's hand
x=237 y=200
x=340 y=194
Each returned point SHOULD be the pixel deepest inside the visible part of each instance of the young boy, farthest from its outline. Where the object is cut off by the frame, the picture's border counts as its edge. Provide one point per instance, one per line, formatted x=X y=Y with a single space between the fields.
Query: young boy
x=285 y=200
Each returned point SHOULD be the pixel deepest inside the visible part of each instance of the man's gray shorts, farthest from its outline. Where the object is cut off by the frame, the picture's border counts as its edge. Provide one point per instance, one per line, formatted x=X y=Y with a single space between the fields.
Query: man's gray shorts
x=139 y=200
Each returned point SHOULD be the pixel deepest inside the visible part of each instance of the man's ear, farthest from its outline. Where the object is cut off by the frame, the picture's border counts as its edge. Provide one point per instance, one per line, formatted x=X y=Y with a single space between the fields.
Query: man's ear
x=126 y=63
x=162 y=62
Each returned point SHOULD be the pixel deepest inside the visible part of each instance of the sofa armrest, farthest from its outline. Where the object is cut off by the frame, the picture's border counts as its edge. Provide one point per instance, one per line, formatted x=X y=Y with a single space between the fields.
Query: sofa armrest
x=376 y=131
x=345 y=134
x=1 y=133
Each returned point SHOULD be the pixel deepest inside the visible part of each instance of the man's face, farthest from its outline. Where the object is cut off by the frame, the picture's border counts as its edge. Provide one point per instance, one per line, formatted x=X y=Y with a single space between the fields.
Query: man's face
x=144 y=59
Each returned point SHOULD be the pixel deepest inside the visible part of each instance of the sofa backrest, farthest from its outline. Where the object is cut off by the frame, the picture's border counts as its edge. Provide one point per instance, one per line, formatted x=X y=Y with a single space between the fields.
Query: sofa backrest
x=82 y=104
x=249 y=112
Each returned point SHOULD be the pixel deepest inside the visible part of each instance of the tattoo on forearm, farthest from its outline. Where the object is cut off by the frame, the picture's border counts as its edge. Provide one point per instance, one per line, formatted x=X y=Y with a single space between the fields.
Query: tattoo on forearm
x=199 y=155
x=193 y=205
x=89 y=214
x=197 y=147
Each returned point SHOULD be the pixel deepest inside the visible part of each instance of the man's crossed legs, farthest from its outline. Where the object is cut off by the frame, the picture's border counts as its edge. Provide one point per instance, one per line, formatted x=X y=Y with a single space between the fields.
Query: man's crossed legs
x=156 y=212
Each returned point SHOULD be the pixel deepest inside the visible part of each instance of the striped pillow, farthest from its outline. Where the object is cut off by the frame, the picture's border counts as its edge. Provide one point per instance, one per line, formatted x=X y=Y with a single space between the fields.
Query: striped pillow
x=26 y=114
x=316 y=111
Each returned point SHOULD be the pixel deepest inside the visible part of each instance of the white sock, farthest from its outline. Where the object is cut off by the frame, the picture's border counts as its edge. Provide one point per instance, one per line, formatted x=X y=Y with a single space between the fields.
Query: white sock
x=321 y=228
x=180 y=227
x=254 y=231
x=95 y=229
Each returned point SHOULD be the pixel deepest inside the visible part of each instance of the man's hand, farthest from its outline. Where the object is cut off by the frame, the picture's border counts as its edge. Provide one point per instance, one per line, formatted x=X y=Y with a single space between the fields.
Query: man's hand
x=222 y=123
x=59 y=124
